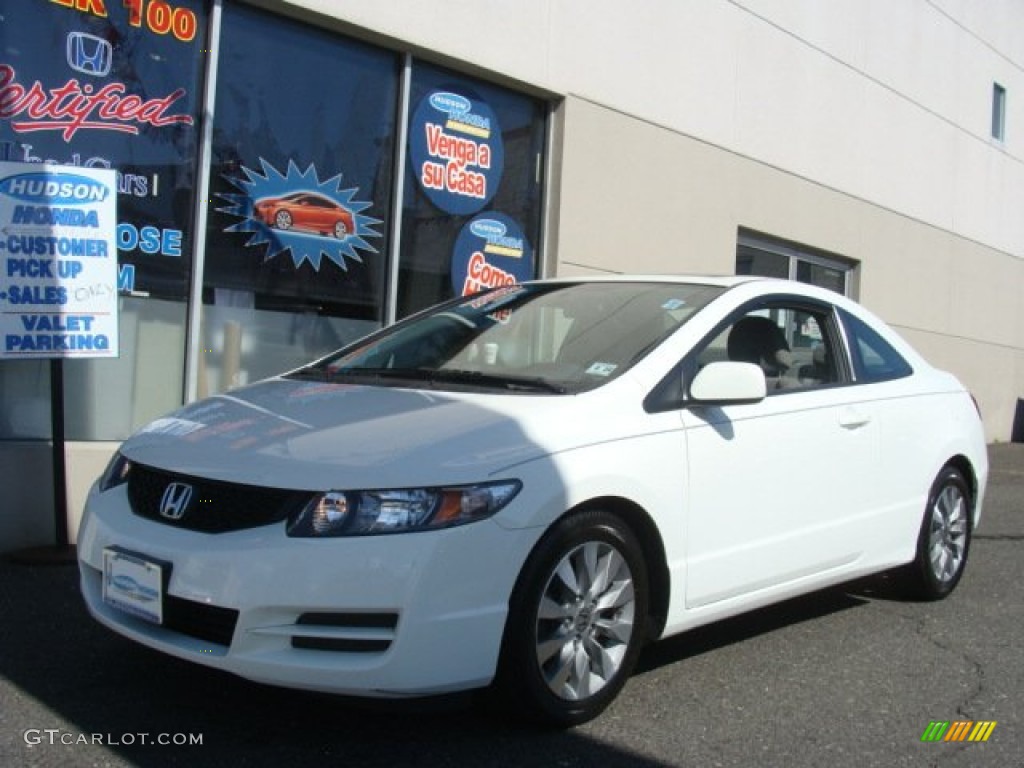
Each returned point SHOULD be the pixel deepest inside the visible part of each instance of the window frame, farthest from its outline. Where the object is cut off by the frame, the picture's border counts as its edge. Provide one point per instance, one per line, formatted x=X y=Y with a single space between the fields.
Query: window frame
x=672 y=391
x=797 y=255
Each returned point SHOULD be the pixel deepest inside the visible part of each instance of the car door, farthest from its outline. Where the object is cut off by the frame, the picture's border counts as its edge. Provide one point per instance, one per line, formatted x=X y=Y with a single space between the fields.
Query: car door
x=776 y=487
x=305 y=212
x=321 y=214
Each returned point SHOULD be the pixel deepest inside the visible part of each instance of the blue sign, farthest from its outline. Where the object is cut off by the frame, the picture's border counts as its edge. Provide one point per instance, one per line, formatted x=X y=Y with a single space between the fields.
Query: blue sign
x=456 y=151
x=490 y=251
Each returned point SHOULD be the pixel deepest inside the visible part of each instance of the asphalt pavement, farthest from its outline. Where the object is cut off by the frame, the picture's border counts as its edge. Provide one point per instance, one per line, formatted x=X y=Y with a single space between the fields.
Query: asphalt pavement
x=851 y=676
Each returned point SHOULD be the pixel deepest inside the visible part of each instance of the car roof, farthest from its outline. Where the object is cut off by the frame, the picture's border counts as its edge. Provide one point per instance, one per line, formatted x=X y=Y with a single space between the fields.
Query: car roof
x=721 y=280
x=756 y=287
x=752 y=285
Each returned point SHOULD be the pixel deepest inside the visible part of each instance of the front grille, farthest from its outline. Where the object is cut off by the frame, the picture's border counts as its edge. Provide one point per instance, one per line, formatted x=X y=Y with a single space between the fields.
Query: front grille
x=203 y=622
x=212 y=506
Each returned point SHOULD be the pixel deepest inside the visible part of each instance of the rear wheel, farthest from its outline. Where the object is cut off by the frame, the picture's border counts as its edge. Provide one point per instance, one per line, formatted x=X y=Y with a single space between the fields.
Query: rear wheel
x=576 y=621
x=944 y=540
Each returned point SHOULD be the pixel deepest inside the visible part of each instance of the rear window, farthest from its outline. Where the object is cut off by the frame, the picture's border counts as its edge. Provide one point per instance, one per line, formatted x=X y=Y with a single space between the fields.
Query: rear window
x=874 y=359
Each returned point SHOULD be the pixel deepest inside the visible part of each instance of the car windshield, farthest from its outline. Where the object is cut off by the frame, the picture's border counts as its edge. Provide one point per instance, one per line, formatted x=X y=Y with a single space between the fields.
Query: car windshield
x=539 y=337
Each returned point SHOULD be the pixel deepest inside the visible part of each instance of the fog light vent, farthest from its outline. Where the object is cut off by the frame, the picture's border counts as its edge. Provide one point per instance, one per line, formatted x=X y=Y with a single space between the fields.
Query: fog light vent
x=345 y=632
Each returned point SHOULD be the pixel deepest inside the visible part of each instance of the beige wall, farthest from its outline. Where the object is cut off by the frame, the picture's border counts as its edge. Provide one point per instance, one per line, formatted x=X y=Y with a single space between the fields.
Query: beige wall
x=885 y=101
x=637 y=197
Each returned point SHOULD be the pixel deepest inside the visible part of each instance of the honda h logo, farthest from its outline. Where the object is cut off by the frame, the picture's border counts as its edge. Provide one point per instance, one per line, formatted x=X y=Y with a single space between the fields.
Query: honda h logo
x=175 y=500
x=89 y=54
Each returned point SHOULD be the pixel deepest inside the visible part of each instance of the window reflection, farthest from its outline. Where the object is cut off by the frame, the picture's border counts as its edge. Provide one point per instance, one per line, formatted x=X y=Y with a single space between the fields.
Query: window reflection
x=297 y=241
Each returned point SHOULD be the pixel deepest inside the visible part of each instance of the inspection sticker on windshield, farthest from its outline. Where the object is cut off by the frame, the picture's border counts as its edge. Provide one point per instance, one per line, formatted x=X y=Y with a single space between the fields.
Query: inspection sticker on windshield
x=133 y=584
x=601 y=369
x=673 y=304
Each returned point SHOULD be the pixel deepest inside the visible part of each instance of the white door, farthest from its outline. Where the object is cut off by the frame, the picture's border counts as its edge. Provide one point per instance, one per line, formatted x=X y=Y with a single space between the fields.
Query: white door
x=779 y=490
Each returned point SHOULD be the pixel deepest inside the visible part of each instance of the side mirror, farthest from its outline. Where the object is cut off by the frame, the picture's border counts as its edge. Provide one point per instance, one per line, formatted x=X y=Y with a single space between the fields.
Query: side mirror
x=728 y=383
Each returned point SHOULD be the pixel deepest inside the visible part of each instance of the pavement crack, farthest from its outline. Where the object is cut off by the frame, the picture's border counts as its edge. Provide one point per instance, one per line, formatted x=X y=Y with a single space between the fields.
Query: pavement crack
x=920 y=628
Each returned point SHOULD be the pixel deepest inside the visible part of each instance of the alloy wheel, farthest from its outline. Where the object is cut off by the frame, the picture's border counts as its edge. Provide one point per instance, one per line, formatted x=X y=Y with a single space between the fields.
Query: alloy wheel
x=947 y=535
x=585 y=620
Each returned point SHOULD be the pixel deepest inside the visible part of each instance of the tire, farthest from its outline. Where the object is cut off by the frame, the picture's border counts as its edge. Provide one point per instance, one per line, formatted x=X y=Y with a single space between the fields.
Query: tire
x=944 y=540
x=340 y=230
x=283 y=220
x=576 y=621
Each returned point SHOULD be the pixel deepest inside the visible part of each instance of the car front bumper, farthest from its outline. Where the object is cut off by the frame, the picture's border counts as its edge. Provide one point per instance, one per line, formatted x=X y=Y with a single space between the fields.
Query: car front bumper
x=390 y=615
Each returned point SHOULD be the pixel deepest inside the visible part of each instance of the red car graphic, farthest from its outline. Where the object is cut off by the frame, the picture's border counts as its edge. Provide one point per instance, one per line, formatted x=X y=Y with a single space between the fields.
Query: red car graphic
x=306 y=211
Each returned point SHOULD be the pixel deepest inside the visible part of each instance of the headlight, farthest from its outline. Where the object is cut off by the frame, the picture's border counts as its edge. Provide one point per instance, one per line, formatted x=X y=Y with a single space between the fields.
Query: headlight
x=356 y=513
x=116 y=472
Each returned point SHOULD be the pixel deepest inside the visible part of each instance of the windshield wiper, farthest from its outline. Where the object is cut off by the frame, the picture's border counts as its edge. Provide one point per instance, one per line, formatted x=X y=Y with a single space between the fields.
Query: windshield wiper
x=503 y=380
x=456 y=376
x=409 y=374
x=309 y=373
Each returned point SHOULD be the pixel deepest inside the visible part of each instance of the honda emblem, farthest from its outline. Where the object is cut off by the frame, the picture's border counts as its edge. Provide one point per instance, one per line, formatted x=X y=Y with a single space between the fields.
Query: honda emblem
x=89 y=54
x=175 y=500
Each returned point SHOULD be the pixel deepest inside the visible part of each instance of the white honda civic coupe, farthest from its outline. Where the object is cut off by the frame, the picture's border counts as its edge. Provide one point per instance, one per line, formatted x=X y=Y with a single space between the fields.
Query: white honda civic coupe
x=519 y=489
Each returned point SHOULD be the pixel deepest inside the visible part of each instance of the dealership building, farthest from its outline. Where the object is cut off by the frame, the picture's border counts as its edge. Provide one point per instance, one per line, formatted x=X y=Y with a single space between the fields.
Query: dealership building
x=292 y=174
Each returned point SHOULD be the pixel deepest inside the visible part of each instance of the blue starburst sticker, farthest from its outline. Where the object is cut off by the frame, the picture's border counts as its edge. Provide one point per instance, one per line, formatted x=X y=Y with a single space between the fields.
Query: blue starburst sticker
x=298 y=213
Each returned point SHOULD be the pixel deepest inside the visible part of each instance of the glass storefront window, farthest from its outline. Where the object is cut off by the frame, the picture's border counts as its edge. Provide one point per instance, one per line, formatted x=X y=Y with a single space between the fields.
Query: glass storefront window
x=143 y=82
x=298 y=243
x=301 y=191
x=110 y=399
x=147 y=89
x=471 y=214
x=25 y=400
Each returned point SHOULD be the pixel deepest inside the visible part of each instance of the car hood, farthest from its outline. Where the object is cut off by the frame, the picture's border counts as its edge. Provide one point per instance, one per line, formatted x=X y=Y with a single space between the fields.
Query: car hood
x=284 y=433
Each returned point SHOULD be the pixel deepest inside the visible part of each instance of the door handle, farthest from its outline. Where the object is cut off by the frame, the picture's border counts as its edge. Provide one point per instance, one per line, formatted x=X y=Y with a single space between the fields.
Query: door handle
x=852 y=418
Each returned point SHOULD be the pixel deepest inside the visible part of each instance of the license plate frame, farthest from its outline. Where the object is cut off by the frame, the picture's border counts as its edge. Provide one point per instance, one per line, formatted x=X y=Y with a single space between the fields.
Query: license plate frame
x=135 y=583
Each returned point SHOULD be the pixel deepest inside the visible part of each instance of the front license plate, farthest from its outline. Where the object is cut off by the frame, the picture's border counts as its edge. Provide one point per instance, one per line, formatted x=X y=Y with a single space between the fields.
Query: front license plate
x=133 y=584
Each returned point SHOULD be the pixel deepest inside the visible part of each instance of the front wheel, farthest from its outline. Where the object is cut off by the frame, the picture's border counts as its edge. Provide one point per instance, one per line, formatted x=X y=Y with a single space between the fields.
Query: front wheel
x=576 y=621
x=944 y=539
x=283 y=220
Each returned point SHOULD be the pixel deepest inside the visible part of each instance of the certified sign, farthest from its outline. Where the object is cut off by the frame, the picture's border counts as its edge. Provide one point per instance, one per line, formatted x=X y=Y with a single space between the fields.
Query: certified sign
x=58 y=255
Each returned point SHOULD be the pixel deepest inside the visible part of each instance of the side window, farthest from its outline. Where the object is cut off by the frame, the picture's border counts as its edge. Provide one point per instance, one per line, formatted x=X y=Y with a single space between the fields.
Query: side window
x=790 y=343
x=874 y=359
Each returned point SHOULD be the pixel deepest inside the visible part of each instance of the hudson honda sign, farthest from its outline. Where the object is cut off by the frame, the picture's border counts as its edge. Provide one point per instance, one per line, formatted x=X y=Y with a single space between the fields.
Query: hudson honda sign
x=59 y=262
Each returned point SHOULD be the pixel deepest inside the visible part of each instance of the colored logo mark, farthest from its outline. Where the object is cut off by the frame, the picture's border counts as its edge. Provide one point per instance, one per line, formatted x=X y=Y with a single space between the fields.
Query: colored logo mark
x=89 y=54
x=958 y=730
